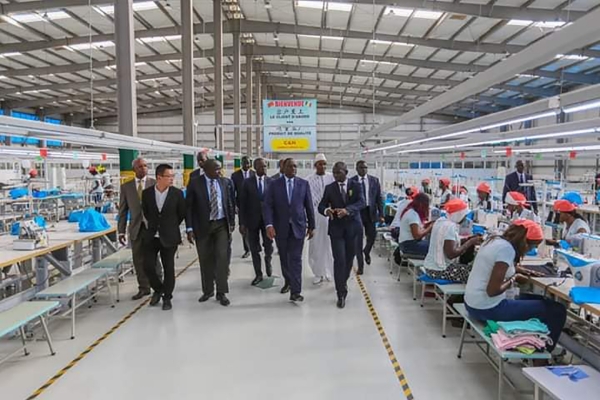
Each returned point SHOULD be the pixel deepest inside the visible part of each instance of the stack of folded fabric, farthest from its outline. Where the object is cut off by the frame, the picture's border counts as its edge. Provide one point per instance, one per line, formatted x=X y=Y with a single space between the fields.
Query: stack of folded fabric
x=524 y=336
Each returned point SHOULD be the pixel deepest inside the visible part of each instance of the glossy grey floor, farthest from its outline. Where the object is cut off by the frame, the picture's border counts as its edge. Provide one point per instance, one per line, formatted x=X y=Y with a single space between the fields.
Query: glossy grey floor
x=261 y=347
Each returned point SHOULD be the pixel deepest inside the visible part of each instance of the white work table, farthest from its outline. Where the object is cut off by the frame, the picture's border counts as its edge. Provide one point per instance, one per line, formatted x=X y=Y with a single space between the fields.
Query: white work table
x=62 y=235
x=561 y=387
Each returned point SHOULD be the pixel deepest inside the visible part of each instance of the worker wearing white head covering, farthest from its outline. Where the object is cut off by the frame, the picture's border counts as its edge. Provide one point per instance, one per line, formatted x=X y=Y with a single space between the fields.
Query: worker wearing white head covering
x=320 y=257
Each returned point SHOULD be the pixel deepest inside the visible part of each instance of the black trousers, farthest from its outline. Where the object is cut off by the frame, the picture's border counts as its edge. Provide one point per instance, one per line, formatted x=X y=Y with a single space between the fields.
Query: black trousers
x=246 y=243
x=154 y=248
x=343 y=248
x=290 y=256
x=253 y=236
x=214 y=253
x=370 y=232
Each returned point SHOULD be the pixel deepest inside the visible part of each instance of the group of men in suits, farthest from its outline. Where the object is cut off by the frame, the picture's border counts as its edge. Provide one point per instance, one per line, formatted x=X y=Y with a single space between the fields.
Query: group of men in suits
x=278 y=209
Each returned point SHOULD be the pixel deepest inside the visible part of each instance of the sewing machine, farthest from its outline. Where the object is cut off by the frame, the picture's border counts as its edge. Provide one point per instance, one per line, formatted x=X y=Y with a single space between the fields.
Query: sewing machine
x=590 y=246
x=31 y=236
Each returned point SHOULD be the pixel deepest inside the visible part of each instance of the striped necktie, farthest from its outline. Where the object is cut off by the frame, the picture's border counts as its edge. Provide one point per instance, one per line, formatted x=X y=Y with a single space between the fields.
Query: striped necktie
x=214 y=201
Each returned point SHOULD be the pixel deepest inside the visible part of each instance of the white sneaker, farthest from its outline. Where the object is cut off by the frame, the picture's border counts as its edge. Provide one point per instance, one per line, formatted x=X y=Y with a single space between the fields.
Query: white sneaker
x=317 y=280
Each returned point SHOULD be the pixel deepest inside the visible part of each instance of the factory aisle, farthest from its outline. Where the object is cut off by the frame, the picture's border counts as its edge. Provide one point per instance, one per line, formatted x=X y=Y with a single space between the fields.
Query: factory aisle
x=261 y=347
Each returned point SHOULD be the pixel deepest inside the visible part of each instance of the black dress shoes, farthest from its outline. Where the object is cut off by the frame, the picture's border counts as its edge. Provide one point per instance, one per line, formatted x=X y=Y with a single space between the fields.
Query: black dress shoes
x=368 y=259
x=285 y=288
x=296 y=297
x=167 y=305
x=221 y=298
x=140 y=294
x=360 y=271
x=246 y=254
x=269 y=270
x=205 y=297
x=155 y=299
x=257 y=280
x=341 y=303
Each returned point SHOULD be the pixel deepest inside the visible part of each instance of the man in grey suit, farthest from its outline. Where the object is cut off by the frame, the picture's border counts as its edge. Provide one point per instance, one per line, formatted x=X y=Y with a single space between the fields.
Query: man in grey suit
x=131 y=202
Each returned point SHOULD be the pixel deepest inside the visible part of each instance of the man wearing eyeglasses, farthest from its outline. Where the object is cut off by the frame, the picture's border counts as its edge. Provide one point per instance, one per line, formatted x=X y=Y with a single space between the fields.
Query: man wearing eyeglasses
x=163 y=207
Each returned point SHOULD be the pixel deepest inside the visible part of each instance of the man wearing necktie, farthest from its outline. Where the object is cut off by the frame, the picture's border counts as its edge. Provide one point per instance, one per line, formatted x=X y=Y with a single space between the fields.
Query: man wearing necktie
x=130 y=204
x=238 y=178
x=514 y=181
x=320 y=258
x=289 y=216
x=342 y=203
x=370 y=214
x=210 y=222
x=251 y=218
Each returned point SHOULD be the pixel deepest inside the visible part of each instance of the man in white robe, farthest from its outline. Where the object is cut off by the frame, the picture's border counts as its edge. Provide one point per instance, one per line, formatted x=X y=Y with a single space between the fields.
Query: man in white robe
x=320 y=257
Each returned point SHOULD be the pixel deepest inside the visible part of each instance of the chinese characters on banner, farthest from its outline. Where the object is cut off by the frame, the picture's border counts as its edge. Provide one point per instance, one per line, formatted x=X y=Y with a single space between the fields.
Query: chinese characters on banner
x=290 y=126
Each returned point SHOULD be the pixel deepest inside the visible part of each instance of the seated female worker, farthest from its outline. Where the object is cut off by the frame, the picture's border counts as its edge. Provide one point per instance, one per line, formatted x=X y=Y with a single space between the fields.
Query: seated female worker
x=445 y=192
x=410 y=192
x=414 y=227
x=484 y=197
x=494 y=273
x=574 y=224
x=445 y=247
x=516 y=205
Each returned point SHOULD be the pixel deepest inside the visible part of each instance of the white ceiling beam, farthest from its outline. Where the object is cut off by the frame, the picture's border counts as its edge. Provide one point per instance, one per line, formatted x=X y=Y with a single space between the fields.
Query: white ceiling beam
x=582 y=32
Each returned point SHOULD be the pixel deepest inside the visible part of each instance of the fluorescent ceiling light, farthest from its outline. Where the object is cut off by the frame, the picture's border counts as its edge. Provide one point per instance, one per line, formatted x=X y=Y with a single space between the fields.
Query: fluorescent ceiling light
x=398 y=12
x=324 y=6
x=573 y=57
x=549 y=24
x=154 y=39
x=86 y=46
x=519 y=22
x=582 y=107
x=36 y=17
x=141 y=6
x=377 y=62
x=552 y=149
x=3 y=77
x=388 y=43
x=10 y=54
x=322 y=37
x=427 y=14
x=518 y=120
x=527 y=76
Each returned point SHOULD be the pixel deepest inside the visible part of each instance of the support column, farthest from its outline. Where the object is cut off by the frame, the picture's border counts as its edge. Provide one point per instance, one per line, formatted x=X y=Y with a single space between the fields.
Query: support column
x=126 y=158
x=187 y=70
x=237 y=95
x=249 y=99
x=218 y=35
x=125 y=51
x=257 y=109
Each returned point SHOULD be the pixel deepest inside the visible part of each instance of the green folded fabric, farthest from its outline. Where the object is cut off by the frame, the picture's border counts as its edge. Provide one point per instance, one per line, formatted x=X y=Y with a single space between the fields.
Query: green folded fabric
x=491 y=327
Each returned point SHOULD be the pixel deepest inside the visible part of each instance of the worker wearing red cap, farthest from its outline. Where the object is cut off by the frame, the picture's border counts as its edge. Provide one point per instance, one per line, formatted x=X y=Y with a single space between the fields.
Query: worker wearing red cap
x=516 y=205
x=445 y=248
x=426 y=186
x=484 y=196
x=574 y=224
x=411 y=193
x=445 y=193
x=494 y=274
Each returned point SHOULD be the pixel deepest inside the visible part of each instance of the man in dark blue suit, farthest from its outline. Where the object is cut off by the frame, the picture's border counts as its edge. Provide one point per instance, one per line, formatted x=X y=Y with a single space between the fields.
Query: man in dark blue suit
x=289 y=216
x=513 y=181
x=238 y=178
x=370 y=215
x=252 y=224
x=342 y=202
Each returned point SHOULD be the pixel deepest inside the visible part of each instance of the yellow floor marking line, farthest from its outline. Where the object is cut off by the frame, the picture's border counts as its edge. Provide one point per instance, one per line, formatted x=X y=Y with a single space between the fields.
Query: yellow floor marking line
x=87 y=351
x=386 y=343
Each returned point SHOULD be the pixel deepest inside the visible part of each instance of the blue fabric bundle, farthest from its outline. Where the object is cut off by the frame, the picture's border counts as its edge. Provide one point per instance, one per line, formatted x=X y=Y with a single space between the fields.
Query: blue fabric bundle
x=75 y=216
x=93 y=221
x=427 y=279
x=573 y=197
x=16 y=227
x=581 y=295
x=17 y=193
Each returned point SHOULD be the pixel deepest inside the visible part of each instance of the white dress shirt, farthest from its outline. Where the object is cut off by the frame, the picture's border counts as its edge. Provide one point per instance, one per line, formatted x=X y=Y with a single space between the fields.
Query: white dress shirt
x=137 y=182
x=160 y=197
x=366 y=181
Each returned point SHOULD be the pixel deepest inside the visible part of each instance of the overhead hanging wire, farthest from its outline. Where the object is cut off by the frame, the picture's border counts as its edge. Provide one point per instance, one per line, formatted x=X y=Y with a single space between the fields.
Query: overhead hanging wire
x=91 y=61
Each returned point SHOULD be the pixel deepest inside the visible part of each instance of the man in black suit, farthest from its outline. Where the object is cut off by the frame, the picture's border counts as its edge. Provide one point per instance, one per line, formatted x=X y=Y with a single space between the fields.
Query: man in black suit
x=210 y=222
x=370 y=214
x=163 y=208
x=513 y=181
x=252 y=223
x=201 y=159
x=281 y=166
x=238 y=178
x=342 y=202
